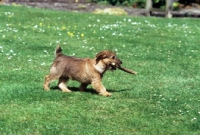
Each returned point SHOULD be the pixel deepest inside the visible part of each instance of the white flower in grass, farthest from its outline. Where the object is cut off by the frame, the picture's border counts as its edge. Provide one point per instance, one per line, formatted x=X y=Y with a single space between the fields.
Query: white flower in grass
x=134 y=23
x=29 y=60
x=91 y=48
x=45 y=51
x=85 y=41
x=193 y=119
x=35 y=27
x=17 y=69
x=1 y=49
x=15 y=30
x=43 y=63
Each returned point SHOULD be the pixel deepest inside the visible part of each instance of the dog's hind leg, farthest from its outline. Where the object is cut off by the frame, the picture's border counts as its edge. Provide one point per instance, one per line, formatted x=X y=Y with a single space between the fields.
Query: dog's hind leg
x=62 y=84
x=48 y=79
x=83 y=87
x=47 y=82
x=53 y=75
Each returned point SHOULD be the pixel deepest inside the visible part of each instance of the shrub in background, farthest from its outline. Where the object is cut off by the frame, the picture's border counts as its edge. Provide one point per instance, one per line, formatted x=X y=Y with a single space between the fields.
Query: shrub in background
x=133 y=3
x=142 y=3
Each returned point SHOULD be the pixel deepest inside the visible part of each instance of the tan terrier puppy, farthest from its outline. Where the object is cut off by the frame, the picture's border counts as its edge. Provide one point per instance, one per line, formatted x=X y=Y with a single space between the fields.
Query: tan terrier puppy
x=86 y=71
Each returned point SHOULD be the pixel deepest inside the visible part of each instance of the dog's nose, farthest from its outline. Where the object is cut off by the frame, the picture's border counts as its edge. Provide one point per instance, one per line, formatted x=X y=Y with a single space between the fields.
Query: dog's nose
x=120 y=62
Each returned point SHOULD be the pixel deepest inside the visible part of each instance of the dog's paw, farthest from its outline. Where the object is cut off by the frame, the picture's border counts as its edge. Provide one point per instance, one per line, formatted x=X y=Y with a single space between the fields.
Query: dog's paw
x=106 y=94
x=66 y=91
x=46 y=88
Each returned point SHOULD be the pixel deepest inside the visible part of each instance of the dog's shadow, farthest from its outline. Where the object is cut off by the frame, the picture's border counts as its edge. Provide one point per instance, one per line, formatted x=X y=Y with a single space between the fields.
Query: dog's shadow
x=74 y=89
x=89 y=90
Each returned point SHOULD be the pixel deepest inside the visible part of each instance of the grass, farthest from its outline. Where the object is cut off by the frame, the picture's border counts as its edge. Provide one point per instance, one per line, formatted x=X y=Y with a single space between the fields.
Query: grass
x=164 y=98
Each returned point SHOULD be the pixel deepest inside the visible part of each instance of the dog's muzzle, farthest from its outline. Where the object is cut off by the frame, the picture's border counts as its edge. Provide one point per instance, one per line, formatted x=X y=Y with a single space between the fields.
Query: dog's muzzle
x=115 y=64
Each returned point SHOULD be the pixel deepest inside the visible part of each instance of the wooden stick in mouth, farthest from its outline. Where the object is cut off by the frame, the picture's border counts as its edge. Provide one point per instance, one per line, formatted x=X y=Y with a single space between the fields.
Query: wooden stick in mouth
x=127 y=70
x=117 y=65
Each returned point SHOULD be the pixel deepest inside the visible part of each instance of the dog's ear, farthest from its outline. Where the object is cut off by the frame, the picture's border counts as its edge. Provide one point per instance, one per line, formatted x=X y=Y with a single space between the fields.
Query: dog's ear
x=100 y=55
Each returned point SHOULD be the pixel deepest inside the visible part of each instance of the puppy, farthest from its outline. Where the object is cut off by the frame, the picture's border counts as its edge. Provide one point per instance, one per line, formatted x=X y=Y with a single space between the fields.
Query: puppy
x=86 y=70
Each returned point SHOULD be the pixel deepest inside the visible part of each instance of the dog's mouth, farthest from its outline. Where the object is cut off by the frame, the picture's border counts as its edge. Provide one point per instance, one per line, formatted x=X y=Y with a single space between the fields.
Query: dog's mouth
x=114 y=65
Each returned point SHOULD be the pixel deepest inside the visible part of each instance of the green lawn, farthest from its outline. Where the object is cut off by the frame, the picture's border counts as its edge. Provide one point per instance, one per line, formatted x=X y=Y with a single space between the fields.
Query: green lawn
x=162 y=99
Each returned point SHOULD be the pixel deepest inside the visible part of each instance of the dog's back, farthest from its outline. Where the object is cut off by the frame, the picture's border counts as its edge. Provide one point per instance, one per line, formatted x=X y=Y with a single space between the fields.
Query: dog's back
x=68 y=66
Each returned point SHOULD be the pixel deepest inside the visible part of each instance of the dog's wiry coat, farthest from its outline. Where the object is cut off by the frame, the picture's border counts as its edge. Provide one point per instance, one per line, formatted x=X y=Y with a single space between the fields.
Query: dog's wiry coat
x=86 y=71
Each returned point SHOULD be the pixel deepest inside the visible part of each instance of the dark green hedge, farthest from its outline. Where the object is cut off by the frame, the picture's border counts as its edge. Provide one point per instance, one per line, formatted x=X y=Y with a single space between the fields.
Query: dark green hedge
x=141 y=3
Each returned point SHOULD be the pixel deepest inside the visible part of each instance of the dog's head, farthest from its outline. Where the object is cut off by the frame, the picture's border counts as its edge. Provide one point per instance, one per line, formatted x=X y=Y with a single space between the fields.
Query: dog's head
x=109 y=58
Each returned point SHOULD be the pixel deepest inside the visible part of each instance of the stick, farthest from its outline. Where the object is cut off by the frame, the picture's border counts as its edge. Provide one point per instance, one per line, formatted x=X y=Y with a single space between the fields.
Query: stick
x=127 y=70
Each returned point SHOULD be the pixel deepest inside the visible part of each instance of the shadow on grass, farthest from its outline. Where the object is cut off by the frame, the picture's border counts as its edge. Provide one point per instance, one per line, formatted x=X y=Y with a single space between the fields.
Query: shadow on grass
x=90 y=90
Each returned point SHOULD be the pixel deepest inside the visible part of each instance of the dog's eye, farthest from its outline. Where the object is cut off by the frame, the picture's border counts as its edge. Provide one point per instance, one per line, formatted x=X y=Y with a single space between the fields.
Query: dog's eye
x=113 y=57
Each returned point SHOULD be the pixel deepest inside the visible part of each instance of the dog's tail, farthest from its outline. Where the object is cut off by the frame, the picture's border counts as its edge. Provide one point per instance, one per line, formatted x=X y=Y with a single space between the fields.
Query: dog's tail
x=58 y=51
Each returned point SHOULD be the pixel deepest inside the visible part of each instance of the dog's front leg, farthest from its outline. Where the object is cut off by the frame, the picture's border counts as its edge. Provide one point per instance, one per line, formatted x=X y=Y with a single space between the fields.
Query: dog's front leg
x=98 y=86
